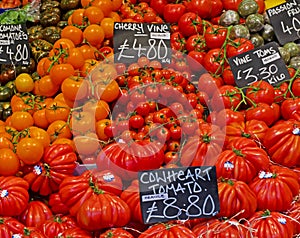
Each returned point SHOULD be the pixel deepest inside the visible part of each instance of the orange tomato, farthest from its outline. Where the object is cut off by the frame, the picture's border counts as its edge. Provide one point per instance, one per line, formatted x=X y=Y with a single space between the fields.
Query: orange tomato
x=107 y=25
x=39 y=134
x=24 y=83
x=57 y=111
x=62 y=44
x=88 y=51
x=72 y=33
x=46 y=87
x=108 y=91
x=9 y=162
x=99 y=108
x=93 y=14
x=40 y=119
x=115 y=16
x=94 y=35
x=89 y=65
x=75 y=58
x=30 y=150
x=59 y=129
x=86 y=144
x=116 y=4
x=100 y=126
x=82 y=122
x=105 y=5
x=77 y=17
x=43 y=66
x=59 y=72
x=85 y=3
x=5 y=142
x=19 y=102
x=75 y=88
x=21 y=120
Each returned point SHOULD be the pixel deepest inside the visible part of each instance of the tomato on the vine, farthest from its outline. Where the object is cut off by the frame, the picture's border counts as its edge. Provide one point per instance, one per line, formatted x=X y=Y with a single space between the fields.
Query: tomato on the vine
x=238 y=46
x=190 y=23
x=215 y=36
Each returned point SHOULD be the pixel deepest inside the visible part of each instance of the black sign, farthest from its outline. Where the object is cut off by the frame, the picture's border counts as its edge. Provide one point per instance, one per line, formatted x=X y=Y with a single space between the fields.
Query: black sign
x=262 y=63
x=14 y=44
x=134 y=40
x=178 y=193
x=285 y=19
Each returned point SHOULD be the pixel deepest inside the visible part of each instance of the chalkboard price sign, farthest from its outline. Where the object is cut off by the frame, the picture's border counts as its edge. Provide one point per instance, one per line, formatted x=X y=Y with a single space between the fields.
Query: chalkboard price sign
x=178 y=194
x=262 y=63
x=14 y=44
x=285 y=19
x=134 y=40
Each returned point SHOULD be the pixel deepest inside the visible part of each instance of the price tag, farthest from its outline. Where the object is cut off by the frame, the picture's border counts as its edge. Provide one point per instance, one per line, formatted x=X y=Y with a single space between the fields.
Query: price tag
x=263 y=63
x=178 y=194
x=273 y=3
x=285 y=19
x=14 y=44
x=134 y=40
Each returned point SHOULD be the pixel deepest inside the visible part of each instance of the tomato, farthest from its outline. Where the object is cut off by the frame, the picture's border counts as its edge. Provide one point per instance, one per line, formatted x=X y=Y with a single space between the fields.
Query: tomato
x=190 y=23
x=74 y=88
x=107 y=90
x=239 y=193
x=215 y=36
x=99 y=108
x=107 y=25
x=238 y=46
x=21 y=120
x=109 y=181
x=208 y=145
x=208 y=85
x=46 y=87
x=43 y=66
x=160 y=230
x=72 y=33
x=100 y=127
x=59 y=72
x=10 y=226
x=136 y=121
x=227 y=96
x=262 y=221
x=10 y=163
x=59 y=162
x=75 y=232
x=105 y=5
x=86 y=144
x=115 y=232
x=214 y=61
x=88 y=52
x=221 y=228
x=281 y=141
x=62 y=44
x=275 y=188
x=77 y=18
x=281 y=92
x=262 y=112
x=56 y=205
x=115 y=156
x=76 y=58
x=203 y=8
x=94 y=35
x=59 y=129
x=14 y=191
x=231 y=4
x=228 y=76
x=57 y=110
x=24 y=83
x=5 y=142
x=30 y=150
x=93 y=14
x=260 y=91
x=241 y=160
x=173 y=11
x=35 y=214
x=82 y=122
x=290 y=108
x=196 y=42
x=53 y=226
x=253 y=129
x=39 y=118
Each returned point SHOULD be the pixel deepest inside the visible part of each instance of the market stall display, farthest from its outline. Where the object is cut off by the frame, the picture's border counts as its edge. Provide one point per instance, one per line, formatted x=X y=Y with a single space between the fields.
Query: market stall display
x=153 y=118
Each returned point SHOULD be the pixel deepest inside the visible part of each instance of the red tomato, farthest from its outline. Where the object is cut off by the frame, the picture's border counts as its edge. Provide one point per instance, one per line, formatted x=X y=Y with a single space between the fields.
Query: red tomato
x=227 y=96
x=190 y=23
x=238 y=46
x=260 y=91
x=215 y=36
x=173 y=11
